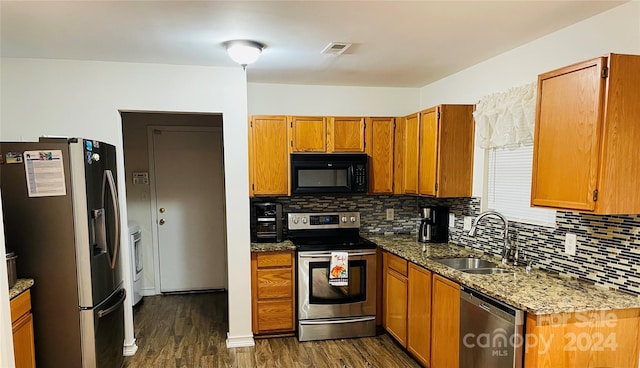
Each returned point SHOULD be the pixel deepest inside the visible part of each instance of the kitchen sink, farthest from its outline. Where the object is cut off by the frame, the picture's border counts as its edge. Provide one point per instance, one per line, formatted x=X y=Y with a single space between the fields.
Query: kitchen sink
x=486 y=271
x=466 y=263
x=475 y=266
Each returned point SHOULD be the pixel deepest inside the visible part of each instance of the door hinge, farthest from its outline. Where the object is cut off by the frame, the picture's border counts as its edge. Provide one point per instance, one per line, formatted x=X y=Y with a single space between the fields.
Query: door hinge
x=291 y=124
x=253 y=187
x=251 y=123
x=605 y=72
x=291 y=143
x=438 y=115
x=595 y=195
x=436 y=187
x=394 y=125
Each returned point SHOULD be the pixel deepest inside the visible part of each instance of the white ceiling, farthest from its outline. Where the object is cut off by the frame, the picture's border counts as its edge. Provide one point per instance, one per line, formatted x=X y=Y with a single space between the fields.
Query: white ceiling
x=396 y=43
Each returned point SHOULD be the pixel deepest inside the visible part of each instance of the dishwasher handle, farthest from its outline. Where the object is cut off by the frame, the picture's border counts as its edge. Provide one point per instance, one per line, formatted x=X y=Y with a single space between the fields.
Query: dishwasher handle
x=491 y=305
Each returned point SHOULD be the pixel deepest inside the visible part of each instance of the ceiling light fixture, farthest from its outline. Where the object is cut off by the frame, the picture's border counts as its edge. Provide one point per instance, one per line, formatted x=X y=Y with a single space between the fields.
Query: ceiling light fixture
x=243 y=52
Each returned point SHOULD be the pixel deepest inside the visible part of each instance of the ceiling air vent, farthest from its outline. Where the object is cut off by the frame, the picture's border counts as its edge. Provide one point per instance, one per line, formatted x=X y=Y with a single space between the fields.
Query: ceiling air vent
x=336 y=48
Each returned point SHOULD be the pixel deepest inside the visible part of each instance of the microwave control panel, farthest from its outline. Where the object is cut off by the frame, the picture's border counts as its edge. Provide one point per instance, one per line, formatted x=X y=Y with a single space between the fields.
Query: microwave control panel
x=328 y=220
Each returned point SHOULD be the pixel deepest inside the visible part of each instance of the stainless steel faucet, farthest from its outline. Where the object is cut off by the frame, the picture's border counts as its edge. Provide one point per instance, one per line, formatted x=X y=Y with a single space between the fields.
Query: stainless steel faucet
x=506 y=247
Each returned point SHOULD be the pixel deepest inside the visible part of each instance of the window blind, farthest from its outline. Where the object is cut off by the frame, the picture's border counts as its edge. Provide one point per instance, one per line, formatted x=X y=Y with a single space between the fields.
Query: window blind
x=509 y=186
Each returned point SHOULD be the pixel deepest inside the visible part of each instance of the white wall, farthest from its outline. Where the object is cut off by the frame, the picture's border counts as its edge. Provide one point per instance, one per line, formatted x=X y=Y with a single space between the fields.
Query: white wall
x=82 y=98
x=291 y=99
x=617 y=31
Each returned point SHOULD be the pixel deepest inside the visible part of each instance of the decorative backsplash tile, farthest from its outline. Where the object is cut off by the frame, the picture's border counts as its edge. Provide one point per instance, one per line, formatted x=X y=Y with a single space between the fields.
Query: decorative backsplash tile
x=608 y=251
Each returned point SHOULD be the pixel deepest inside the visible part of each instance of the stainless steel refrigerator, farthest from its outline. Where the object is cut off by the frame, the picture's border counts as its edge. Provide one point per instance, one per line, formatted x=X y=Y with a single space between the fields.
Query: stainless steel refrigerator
x=61 y=217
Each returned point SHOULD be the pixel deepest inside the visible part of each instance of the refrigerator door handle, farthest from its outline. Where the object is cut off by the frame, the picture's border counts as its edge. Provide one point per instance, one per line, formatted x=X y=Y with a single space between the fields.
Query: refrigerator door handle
x=108 y=178
x=105 y=312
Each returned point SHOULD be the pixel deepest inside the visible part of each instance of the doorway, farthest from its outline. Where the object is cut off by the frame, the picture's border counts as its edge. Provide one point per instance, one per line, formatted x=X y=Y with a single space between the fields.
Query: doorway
x=141 y=194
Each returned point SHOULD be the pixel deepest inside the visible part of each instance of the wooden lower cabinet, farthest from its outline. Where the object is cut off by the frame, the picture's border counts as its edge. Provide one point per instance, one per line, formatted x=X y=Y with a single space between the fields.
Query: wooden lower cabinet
x=588 y=339
x=419 y=314
x=273 y=294
x=395 y=297
x=445 y=323
x=22 y=326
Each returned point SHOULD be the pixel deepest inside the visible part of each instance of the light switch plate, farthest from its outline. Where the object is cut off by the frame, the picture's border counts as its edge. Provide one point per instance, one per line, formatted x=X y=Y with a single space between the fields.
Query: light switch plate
x=468 y=222
x=452 y=220
x=389 y=214
x=570 y=244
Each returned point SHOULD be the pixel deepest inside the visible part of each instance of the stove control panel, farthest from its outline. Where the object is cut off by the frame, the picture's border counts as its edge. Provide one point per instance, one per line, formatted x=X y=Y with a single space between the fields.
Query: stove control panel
x=325 y=220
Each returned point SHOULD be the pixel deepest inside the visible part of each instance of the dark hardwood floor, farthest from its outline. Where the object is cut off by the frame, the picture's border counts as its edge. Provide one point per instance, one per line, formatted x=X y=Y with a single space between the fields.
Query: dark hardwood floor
x=189 y=330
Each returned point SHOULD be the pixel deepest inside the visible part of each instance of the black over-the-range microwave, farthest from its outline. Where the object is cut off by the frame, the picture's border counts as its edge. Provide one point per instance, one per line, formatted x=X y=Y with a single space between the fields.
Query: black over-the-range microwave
x=317 y=173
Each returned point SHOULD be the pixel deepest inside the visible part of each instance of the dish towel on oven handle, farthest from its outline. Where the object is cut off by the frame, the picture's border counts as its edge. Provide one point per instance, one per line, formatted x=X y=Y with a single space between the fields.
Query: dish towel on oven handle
x=339 y=269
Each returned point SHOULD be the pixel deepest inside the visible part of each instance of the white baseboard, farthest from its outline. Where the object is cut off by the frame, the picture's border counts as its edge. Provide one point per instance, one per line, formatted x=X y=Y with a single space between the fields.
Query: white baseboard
x=150 y=291
x=240 y=341
x=130 y=349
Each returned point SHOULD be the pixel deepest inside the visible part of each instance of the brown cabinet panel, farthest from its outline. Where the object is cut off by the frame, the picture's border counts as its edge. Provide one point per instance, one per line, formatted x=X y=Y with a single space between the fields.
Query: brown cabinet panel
x=428 y=162
x=398 y=157
x=419 y=314
x=308 y=133
x=411 y=153
x=275 y=283
x=445 y=323
x=380 y=147
x=275 y=315
x=454 y=170
x=397 y=264
x=396 y=306
x=586 y=153
x=22 y=327
x=586 y=339
x=272 y=292
x=346 y=134
x=268 y=155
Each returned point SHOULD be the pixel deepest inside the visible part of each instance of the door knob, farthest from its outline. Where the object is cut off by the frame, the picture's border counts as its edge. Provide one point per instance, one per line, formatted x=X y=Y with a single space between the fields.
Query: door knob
x=162 y=210
x=162 y=221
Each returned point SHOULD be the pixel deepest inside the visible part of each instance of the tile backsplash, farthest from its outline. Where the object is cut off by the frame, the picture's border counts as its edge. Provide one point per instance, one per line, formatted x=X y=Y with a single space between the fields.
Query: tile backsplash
x=608 y=247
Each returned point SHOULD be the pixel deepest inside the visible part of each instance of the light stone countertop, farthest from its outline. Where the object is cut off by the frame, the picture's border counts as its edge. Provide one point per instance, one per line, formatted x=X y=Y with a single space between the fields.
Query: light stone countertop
x=20 y=286
x=272 y=247
x=539 y=292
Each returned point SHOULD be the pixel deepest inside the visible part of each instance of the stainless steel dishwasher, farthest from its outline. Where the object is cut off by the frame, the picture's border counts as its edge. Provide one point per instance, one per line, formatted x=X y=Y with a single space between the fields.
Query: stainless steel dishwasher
x=491 y=332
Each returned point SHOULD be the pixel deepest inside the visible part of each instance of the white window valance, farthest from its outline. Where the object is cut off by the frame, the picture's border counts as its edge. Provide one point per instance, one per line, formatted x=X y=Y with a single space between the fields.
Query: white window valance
x=506 y=119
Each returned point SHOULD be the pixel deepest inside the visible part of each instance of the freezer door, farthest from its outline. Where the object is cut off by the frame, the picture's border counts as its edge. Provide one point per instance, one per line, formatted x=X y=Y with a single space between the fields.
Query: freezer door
x=103 y=333
x=97 y=215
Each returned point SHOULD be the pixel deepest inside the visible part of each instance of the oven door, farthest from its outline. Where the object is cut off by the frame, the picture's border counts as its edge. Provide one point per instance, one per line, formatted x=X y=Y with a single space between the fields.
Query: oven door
x=318 y=299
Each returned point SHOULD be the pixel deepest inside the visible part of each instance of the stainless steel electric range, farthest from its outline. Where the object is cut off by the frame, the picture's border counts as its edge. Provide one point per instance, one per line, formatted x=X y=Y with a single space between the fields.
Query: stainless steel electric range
x=327 y=310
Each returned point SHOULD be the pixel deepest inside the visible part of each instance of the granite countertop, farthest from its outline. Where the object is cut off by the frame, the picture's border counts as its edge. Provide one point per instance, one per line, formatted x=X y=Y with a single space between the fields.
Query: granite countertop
x=20 y=286
x=272 y=247
x=539 y=292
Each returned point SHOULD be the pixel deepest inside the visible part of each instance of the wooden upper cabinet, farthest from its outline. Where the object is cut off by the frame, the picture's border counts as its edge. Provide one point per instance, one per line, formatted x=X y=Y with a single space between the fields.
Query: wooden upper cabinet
x=428 y=162
x=268 y=155
x=411 y=153
x=438 y=151
x=586 y=154
x=346 y=134
x=308 y=133
x=380 y=148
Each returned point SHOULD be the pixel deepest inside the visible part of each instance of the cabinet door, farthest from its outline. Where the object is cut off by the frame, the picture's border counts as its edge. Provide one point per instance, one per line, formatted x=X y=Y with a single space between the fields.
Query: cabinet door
x=308 y=134
x=411 y=144
x=380 y=146
x=346 y=134
x=566 y=142
x=272 y=292
x=419 y=314
x=454 y=175
x=268 y=156
x=445 y=323
x=428 y=151
x=23 y=347
x=395 y=308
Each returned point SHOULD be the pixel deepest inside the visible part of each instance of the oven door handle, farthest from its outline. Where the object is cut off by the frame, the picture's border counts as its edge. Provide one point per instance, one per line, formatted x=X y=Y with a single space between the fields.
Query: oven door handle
x=337 y=321
x=328 y=254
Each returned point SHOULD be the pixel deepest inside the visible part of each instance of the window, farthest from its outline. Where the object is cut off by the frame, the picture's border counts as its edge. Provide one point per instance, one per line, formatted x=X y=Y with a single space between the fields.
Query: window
x=509 y=186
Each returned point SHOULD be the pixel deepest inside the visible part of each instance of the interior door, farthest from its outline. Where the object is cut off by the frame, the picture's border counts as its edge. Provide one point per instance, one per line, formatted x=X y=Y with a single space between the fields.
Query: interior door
x=190 y=208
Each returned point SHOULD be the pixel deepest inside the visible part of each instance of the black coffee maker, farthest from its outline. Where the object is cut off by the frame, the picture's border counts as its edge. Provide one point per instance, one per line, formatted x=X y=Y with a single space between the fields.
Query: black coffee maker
x=434 y=225
x=266 y=222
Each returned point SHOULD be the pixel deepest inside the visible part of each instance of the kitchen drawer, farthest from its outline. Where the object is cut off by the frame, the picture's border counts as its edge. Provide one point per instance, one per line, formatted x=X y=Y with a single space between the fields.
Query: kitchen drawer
x=272 y=259
x=20 y=305
x=275 y=315
x=275 y=283
x=397 y=264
